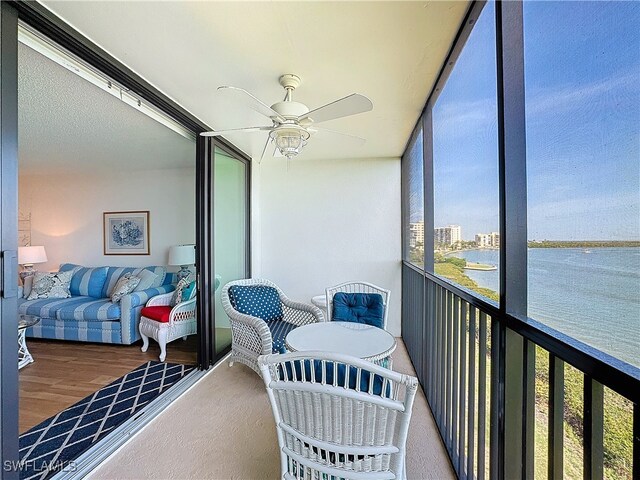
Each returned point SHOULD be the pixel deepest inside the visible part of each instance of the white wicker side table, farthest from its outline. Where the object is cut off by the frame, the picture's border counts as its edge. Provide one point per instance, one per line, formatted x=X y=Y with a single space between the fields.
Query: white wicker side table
x=24 y=322
x=356 y=339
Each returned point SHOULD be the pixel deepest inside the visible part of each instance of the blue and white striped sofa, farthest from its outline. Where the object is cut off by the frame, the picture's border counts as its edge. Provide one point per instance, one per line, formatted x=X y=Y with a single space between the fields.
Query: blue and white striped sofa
x=89 y=315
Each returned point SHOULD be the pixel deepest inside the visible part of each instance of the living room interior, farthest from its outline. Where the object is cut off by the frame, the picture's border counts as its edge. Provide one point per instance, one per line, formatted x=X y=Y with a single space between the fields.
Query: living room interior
x=84 y=151
x=333 y=330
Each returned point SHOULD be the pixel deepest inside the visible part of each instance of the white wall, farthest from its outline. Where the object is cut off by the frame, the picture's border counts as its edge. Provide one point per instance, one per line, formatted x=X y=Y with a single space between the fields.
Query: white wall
x=66 y=213
x=323 y=222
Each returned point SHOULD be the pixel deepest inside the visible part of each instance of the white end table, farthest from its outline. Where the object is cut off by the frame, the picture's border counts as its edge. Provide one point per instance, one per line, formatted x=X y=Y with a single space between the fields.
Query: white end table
x=356 y=339
x=24 y=322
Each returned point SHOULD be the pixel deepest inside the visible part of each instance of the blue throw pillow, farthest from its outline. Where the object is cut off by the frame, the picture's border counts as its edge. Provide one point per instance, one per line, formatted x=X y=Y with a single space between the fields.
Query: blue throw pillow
x=256 y=300
x=365 y=308
x=86 y=282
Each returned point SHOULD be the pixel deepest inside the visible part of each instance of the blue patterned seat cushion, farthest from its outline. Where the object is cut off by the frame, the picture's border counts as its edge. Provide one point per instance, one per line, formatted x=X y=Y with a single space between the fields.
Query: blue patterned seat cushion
x=279 y=331
x=341 y=380
x=85 y=308
x=256 y=300
x=359 y=308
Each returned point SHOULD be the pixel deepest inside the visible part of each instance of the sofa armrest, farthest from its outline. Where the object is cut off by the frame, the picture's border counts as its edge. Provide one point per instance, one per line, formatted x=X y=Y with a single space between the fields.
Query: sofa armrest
x=142 y=297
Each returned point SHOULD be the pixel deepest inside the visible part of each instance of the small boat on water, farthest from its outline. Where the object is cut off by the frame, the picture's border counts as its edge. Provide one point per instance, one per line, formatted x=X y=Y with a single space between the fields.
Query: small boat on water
x=586 y=250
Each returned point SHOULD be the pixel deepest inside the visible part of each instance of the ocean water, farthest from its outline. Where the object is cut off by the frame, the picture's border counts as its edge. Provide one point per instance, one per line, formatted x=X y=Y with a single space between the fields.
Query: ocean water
x=592 y=295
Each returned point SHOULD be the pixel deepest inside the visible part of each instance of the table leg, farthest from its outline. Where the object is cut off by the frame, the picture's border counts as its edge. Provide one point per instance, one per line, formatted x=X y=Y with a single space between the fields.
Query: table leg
x=24 y=357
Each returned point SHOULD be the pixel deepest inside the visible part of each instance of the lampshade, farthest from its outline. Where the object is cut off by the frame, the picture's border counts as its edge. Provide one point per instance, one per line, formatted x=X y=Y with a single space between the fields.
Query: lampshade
x=182 y=255
x=31 y=255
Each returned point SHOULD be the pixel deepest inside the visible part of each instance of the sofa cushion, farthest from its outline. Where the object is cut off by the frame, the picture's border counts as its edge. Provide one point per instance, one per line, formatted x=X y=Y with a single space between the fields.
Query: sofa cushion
x=86 y=281
x=114 y=274
x=50 y=285
x=91 y=310
x=159 y=313
x=73 y=308
x=365 y=308
x=47 y=307
x=256 y=300
x=147 y=279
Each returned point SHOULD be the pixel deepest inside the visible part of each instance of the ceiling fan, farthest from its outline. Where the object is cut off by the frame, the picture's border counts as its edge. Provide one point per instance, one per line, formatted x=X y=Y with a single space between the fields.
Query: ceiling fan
x=292 y=122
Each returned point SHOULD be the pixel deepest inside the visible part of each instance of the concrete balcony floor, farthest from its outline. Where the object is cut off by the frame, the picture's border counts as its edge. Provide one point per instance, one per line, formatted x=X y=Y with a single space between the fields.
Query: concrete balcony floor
x=223 y=428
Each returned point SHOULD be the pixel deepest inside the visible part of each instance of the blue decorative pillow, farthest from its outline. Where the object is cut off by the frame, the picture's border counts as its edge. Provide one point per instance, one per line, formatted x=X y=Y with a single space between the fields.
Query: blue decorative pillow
x=256 y=300
x=86 y=281
x=359 y=308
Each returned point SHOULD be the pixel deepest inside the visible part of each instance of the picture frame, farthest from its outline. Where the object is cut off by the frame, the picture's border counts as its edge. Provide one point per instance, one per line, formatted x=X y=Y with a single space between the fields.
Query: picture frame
x=126 y=233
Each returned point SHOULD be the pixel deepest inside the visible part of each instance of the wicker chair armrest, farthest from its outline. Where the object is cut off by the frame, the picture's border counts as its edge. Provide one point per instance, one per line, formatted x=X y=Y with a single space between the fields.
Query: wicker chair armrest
x=301 y=313
x=251 y=326
x=183 y=311
x=160 y=300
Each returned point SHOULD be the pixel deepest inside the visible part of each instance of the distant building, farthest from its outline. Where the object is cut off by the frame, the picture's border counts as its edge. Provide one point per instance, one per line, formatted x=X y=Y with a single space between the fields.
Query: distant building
x=483 y=240
x=449 y=235
x=416 y=234
x=486 y=240
x=495 y=239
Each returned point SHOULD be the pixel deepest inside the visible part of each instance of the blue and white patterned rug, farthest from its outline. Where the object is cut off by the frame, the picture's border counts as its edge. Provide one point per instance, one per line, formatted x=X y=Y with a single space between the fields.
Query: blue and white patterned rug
x=55 y=443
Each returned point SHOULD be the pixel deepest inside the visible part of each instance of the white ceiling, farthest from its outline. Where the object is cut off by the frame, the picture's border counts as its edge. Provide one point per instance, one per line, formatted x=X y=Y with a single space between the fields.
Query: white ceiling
x=66 y=124
x=389 y=51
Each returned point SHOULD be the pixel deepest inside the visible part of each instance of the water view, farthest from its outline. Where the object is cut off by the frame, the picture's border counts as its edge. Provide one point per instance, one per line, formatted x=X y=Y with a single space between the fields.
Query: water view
x=589 y=294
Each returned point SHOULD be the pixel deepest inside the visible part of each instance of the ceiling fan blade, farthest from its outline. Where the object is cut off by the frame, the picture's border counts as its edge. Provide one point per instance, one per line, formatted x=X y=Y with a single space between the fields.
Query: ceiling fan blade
x=326 y=132
x=252 y=102
x=234 y=130
x=350 y=105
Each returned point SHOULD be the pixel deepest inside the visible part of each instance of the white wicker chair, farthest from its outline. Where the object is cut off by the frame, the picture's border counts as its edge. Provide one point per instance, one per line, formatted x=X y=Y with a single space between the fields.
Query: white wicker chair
x=333 y=427
x=182 y=322
x=250 y=336
x=358 y=287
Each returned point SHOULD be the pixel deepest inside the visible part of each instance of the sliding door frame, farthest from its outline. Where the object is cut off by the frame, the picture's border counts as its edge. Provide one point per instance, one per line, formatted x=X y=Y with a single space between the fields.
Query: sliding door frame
x=8 y=241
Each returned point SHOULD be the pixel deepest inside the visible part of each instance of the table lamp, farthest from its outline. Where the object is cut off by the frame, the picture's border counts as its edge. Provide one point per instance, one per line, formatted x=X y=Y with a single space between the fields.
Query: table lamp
x=184 y=256
x=27 y=256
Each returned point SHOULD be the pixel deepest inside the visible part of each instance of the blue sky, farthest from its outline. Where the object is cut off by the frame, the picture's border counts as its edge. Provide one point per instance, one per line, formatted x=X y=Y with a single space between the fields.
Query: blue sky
x=582 y=77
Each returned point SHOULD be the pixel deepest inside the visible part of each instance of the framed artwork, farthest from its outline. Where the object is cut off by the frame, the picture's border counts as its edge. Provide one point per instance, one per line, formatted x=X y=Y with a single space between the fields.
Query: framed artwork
x=126 y=233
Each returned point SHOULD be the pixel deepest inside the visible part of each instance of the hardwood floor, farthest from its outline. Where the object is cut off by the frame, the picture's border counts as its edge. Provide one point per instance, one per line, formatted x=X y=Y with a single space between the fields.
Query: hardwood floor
x=65 y=372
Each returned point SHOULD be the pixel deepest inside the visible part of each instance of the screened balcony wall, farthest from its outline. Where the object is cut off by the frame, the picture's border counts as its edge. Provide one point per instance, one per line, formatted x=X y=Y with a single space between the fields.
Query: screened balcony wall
x=512 y=397
x=322 y=222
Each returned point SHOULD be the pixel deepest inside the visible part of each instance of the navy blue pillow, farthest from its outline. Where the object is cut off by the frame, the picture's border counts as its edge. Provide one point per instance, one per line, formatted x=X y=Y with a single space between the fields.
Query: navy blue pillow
x=365 y=308
x=256 y=300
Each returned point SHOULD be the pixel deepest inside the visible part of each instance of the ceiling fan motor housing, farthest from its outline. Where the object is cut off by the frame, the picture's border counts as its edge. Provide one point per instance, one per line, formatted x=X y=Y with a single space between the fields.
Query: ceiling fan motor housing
x=289 y=109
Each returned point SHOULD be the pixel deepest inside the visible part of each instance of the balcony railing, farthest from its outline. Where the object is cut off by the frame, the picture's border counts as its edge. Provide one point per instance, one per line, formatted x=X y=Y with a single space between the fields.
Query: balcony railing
x=481 y=370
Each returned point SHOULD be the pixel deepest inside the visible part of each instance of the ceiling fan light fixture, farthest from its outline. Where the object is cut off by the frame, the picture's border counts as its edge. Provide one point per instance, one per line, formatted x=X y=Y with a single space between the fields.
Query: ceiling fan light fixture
x=290 y=140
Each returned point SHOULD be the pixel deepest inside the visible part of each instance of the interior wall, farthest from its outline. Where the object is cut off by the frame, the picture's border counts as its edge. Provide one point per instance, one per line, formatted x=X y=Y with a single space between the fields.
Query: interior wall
x=66 y=213
x=323 y=222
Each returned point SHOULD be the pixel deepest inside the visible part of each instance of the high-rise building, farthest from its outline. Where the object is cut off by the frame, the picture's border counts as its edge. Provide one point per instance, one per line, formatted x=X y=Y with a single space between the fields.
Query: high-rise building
x=483 y=240
x=416 y=234
x=495 y=239
x=448 y=235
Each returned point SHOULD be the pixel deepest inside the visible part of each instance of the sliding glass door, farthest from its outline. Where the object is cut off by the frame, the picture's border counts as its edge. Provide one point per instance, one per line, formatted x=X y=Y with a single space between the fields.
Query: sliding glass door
x=230 y=184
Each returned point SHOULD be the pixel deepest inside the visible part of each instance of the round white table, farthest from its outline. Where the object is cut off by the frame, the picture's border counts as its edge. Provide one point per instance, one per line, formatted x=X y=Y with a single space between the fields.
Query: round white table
x=356 y=339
